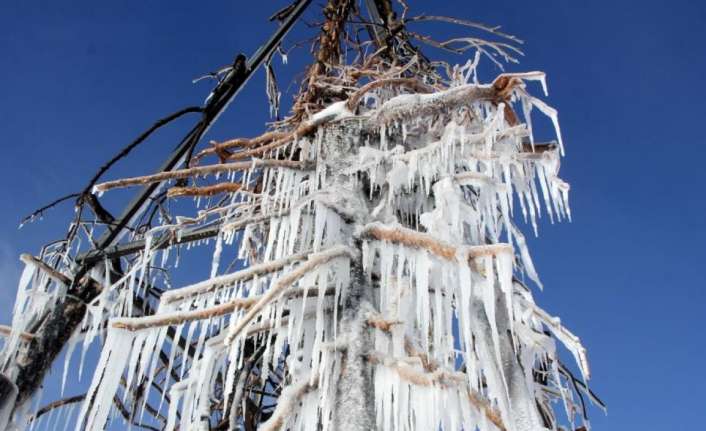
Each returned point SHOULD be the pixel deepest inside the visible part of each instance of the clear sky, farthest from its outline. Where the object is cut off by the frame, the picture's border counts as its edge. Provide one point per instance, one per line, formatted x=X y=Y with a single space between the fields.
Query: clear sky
x=78 y=80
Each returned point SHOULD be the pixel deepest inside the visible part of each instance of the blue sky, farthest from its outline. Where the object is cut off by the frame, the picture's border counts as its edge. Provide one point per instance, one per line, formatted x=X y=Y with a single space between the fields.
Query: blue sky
x=79 y=80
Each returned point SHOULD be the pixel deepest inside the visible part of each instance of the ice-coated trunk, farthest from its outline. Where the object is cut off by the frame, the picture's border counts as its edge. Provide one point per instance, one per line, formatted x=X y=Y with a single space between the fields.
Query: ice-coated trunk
x=8 y=394
x=355 y=404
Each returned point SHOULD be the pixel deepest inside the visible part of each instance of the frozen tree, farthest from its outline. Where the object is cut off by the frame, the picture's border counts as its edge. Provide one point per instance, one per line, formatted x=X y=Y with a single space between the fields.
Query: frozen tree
x=378 y=277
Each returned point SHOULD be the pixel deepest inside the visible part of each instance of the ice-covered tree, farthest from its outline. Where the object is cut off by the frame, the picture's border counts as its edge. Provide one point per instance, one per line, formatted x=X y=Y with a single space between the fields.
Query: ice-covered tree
x=369 y=269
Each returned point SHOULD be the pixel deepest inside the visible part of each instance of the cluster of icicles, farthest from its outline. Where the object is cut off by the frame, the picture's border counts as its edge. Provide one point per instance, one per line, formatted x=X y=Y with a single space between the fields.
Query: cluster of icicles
x=426 y=203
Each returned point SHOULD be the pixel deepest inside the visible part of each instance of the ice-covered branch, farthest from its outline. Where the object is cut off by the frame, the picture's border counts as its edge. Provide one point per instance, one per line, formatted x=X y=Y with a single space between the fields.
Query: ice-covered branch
x=416 y=376
x=53 y=274
x=284 y=282
x=178 y=317
x=199 y=171
x=438 y=377
x=412 y=238
x=418 y=105
x=214 y=283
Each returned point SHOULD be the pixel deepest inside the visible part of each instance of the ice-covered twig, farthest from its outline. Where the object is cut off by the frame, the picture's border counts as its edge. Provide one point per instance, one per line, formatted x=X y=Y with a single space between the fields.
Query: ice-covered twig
x=437 y=375
x=379 y=322
x=482 y=404
x=416 y=376
x=38 y=212
x=179 y=317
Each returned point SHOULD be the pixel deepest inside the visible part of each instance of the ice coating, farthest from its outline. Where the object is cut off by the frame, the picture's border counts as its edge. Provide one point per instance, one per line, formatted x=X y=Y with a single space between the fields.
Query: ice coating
x=403 y=244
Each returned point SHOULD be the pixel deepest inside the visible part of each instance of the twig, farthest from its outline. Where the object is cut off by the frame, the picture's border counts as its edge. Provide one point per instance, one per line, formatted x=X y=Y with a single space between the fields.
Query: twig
x=418 y=105
x=56 y=404
x=125 y=151
x=40 y=211
x=493 y=30
x=438 y=376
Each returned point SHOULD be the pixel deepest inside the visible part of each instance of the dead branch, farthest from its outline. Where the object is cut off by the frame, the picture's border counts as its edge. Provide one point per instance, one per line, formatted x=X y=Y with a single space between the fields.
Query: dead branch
x=466 y=23
x=426 y=104
x=482 y=404
x=53 y=274
x=412 y=238
x=177 y=317
x=379 y=322
x=411 y=83
x=212 y=284
x=6 y=331
x=125 y=151
x=284 y=282
x=199 y=171
x=56 y=404
x=39 y=212
x=204 y=191
x=441 y=377
x=219 y=148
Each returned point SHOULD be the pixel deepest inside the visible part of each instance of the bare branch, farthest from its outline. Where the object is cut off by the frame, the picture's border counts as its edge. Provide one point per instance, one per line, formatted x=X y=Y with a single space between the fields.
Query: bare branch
x=204 y=191
x=39 y=212
x=56 y=404
x=200 y=170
